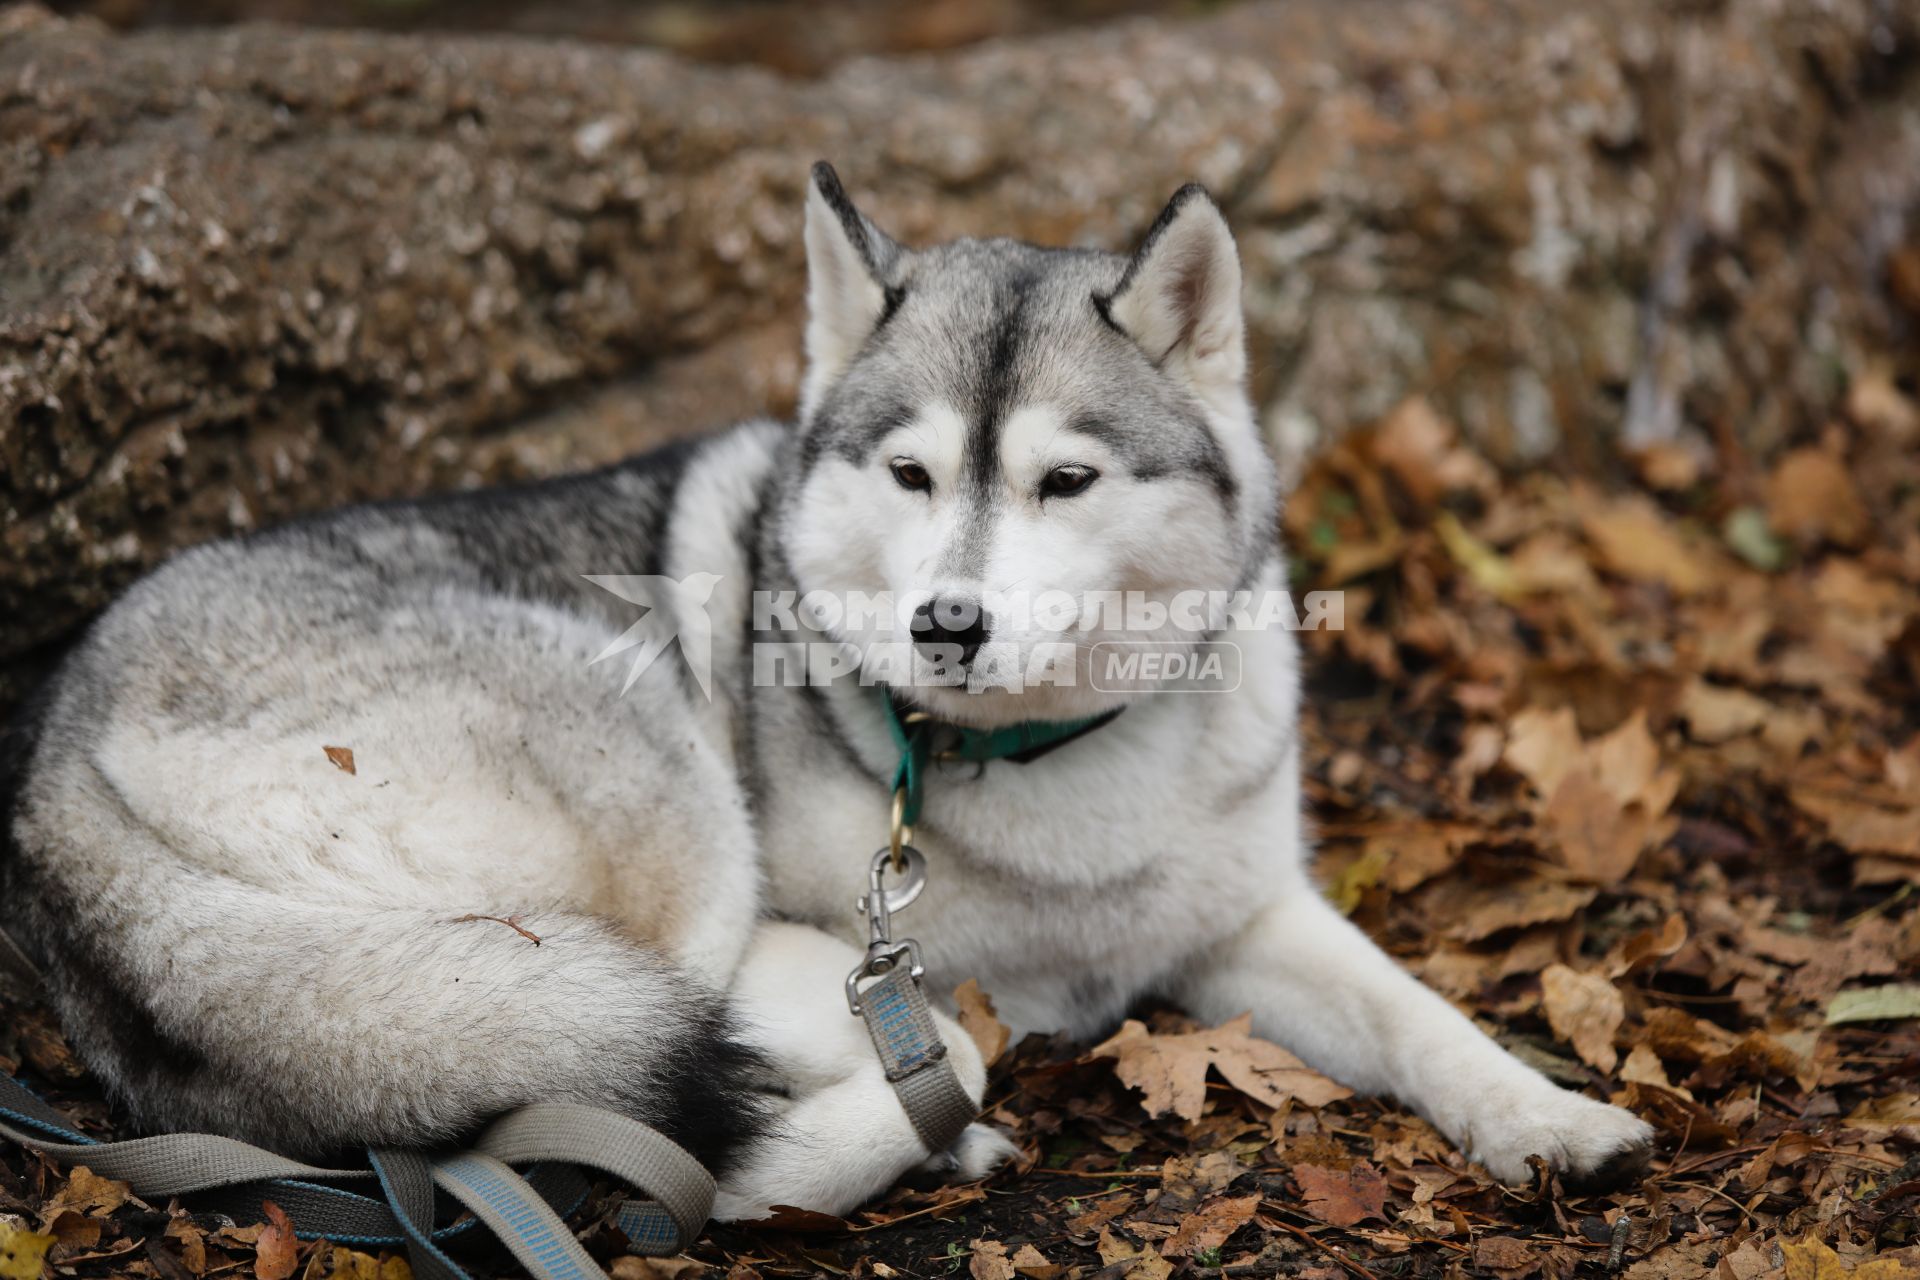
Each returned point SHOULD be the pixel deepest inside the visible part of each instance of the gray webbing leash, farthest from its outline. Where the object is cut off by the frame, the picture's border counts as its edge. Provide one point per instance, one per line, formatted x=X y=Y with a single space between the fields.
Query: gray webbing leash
x=895 y=1007
x=524 y=1211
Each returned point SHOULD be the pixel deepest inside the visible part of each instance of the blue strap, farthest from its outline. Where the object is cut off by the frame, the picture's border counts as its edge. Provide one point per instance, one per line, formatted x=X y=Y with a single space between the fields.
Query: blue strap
x=525 y=1223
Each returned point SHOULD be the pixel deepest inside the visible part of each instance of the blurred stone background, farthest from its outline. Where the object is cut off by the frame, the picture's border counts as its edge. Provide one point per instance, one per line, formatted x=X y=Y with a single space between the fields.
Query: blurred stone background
x=250 y=270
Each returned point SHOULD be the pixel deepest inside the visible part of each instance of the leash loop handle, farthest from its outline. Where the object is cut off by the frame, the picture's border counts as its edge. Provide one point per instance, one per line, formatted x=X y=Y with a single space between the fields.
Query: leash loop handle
x=524 y=1212
x=622 y=1148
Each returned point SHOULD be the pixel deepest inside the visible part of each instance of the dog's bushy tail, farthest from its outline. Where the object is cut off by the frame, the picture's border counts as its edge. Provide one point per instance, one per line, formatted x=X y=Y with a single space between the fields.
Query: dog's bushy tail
x=314 y=1027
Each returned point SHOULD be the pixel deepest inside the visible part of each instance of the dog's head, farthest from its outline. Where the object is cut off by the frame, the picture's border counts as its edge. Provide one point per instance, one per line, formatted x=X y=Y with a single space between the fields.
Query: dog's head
x=994 y=434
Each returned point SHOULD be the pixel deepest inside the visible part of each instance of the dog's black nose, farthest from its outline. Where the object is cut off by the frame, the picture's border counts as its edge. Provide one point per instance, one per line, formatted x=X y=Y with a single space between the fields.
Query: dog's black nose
x=946 y=623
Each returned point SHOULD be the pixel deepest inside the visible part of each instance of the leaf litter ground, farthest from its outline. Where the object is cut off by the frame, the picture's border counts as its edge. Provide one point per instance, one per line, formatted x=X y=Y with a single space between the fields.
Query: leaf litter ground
x=1631 y=772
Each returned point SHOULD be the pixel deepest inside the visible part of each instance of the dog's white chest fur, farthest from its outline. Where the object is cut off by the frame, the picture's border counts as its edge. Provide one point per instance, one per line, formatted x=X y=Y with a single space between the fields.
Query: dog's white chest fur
x=1073 y=885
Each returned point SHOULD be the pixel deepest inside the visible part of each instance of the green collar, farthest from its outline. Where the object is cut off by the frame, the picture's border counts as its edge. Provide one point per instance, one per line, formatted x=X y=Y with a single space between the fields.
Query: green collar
x=914 y=734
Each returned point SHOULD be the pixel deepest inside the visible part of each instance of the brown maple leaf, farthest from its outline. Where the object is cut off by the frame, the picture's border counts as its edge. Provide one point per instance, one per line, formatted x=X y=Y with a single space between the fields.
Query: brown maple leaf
x=1171 y=1070
x=1342 y=1197
x=1602 y=803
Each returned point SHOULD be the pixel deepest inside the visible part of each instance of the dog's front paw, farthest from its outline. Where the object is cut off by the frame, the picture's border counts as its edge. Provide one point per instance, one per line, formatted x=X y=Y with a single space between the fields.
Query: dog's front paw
x=1586 y=1142
x=977 y=1152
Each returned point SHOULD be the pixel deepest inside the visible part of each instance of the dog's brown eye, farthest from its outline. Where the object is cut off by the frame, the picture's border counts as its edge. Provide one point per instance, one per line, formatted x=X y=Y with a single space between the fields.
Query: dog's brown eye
x=911 y=475
x=1064 y=482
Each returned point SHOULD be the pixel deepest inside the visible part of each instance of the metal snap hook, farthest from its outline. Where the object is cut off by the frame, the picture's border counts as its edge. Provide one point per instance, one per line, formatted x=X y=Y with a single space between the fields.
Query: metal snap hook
x=909 y=863
x=880 y=902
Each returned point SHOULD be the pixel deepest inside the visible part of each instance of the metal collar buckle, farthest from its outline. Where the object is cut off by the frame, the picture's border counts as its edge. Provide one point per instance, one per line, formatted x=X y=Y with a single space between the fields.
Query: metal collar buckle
x=884 y=955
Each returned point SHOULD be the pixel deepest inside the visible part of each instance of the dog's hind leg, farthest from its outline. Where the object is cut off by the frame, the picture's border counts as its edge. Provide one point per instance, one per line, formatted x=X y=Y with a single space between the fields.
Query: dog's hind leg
x=840 y=1135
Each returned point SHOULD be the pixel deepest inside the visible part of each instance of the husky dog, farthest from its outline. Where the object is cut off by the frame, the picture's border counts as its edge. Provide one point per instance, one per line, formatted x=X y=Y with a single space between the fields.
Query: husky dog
x=241 y=935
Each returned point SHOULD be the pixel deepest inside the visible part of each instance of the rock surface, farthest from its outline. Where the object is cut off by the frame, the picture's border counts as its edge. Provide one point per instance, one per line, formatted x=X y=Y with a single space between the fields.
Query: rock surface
x=253 y=272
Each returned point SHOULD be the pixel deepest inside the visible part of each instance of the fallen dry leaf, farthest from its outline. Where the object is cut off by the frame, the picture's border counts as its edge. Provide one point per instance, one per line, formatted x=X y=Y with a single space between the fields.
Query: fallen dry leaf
x=626 y=1267
x=1891 y=1002
x=1597 y=838
x=1506 y=1257
x=87 y=1193
x=1810 y=496
x=1412 y=855
x=1472 y=912
x=1342 y=1197
x=1209 y=1226
x=1495 y=574
x=1715 y=714
x=1543 y=746
x=1143 y=1264
x=1643 y=1066
x=1635 y=540
x=1033 y=1265
x=1875 y=400
x=1686 y=1260
x=990 y=1261
x=22 y=1252
x=1194 y=1180
x=74 y=1230
x=982 y=1023
x=1892 y=1111
x=1171 y=1070
x=1861 y=826
x=1099 y=1214
x=43 y=1045
x=786 y=1217
x=1810 y=1259
x=1870 y=949
x=1602 y=803
x=1643 y=949
x=192 y=1242
x=277 y=1252
x=1671 y=468
x=1585 y=1010
x=1420 y=450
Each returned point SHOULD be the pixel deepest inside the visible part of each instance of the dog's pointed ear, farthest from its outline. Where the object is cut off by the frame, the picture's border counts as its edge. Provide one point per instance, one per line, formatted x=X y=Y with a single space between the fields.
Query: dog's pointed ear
x=1180 y=296
x=849 y=262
